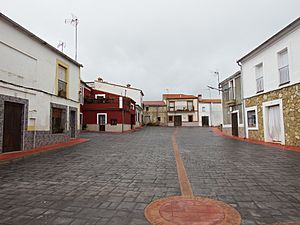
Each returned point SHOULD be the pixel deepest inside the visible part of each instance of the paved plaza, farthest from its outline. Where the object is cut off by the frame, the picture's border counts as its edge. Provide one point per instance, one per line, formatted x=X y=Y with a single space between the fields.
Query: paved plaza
x=113 y=177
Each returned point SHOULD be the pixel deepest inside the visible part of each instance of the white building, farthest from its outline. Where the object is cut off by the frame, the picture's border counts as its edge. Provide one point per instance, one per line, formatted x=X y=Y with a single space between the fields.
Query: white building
x=134 y=93
x=210 y=112
x=270 y=81
x=182 y=109
x=39 y=90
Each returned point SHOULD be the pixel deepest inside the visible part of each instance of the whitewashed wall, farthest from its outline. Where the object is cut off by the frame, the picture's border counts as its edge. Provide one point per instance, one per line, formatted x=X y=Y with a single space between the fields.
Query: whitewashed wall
x=26 y=62
x=213 y=111
x=135 y=95
x=269 y=58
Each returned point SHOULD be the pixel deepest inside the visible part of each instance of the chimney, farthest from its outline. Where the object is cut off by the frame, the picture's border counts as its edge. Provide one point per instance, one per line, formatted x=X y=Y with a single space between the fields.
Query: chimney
x=199 y=97
x=128 y=85
x=100 y=79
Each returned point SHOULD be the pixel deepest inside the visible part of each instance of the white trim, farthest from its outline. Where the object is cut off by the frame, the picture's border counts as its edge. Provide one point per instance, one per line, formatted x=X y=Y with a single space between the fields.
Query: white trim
x=101 y=95
x=105 y=114
x=265 y=106
x=247 y=109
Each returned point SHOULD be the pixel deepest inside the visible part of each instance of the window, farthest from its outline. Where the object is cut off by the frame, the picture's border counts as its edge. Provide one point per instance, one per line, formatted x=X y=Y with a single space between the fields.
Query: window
x=259 y=77
x=131 y=106
x=170 y=119
x=99 y=96
x=171 y=106
x=62 y=81
x=231 y=90
x=203 y=109
x=190 y=118
x=283 y=66
x=252 y=118
x=190 y=105
x=57 y=121
x=147 y=108
x=158 y=119
x=113 y=122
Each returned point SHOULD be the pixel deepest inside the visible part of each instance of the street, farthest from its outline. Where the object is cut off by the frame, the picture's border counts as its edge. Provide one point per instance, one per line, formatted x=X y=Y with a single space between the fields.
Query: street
x=113 y=177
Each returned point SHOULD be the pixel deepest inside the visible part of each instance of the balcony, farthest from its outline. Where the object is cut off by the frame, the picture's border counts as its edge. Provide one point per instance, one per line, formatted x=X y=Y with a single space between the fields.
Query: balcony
x=181 y=109
x=229 y=97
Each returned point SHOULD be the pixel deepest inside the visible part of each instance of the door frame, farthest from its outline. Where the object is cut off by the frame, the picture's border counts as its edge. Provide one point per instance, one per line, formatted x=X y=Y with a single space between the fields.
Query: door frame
x=70 y=125
x=265 y=107
x=203 y=120
x=180 y=120
x=24 y=102
x=105 y=120
x=238 y=121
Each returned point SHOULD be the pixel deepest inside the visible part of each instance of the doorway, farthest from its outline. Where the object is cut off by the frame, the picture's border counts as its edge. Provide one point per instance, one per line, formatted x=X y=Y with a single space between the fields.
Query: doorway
x=273 y=127
x=132 y=121
x=12 y=127
x=205 y=121
x=234 y=124
x=73 y=124
x=177 y=121
x=101 y=121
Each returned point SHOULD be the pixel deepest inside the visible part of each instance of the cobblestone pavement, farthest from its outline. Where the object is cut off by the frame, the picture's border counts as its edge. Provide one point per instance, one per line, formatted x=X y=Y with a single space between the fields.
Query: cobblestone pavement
x=111 y=178
x=262 y=183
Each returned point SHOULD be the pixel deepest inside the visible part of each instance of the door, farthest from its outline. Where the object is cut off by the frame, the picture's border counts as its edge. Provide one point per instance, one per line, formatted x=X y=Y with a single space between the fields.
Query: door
x=12 y=127
x=234 y=124
x=205 y=121
x=132 y=121
x=101 y=122
x=177 y=121
x=274 y=126
x=73 y=124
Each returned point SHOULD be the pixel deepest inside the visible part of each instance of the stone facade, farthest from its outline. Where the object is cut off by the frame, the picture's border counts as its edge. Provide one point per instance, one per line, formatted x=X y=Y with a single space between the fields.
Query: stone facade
x=35 y=138
x=291 y=113
x=151 y=114
x=24 y=102
x=228 y=131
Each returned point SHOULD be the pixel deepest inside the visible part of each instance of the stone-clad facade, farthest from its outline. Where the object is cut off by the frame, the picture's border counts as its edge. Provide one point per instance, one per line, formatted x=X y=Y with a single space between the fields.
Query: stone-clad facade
x=291 y=113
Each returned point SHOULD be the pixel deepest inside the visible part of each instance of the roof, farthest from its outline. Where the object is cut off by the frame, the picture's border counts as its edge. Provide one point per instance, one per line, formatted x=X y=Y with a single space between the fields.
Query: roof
x=155 y=103
x=210 y=100
x=236 y=74
x=36 y=38
x=289 y=28
x=178 y=96
x=118 y=85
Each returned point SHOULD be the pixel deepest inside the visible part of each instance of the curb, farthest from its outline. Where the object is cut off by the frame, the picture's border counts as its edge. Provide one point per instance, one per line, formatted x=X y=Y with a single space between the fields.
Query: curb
x=21 y=155
x=218 y=132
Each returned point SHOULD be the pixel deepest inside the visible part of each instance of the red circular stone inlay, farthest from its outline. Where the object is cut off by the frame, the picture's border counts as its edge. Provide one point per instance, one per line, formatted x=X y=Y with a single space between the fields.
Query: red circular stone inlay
x=186 y=212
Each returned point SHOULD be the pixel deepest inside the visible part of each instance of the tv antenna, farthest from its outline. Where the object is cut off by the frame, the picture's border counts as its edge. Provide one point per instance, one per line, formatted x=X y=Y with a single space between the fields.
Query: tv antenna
x=74 y=22
x=61 y=45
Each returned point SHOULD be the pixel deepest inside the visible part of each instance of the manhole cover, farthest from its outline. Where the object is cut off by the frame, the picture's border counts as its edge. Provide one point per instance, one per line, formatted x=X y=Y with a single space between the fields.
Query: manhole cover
x=183 y=210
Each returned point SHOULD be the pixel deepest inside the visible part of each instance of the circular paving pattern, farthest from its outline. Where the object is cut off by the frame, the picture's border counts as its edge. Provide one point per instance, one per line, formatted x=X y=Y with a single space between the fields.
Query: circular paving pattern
x=190 y=210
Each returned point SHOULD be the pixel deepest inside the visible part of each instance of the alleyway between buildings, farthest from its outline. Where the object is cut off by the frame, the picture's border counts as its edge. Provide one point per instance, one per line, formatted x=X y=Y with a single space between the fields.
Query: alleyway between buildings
x=113 y=177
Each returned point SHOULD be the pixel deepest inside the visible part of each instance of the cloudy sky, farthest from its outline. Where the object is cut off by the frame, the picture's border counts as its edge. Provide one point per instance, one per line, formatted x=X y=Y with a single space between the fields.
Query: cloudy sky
x=157 y=45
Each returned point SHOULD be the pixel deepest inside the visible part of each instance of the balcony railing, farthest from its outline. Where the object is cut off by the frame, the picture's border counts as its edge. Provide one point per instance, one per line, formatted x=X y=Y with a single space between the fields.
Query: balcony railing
x=181 y=109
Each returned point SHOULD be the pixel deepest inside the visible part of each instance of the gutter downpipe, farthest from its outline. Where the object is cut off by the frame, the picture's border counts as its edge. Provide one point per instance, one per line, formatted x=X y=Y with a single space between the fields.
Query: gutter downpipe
x=243 y=101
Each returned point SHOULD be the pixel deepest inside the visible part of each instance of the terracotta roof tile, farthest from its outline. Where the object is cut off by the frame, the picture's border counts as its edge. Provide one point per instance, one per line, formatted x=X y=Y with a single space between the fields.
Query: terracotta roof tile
x=154 y=103
x=178 y=96
x=210 y=100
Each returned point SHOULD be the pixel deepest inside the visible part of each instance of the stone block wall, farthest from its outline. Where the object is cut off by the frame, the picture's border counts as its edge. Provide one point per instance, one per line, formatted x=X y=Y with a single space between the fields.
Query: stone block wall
x=291 y=113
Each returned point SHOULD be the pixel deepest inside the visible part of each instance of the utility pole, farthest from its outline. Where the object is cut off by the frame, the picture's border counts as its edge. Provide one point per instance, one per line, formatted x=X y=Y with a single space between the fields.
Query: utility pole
x=74 y=21
x=218 y=75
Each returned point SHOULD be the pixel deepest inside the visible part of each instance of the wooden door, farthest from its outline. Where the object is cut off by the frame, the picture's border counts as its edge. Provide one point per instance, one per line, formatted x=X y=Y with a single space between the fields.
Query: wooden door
x=205 y=121
x=12 y=128
x=101 y=119
x=73 y=124
x=234 y=124
x=177 y=121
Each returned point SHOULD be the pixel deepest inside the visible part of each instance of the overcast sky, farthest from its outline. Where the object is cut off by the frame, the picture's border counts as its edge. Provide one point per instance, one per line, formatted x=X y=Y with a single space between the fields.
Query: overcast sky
x=156 y=44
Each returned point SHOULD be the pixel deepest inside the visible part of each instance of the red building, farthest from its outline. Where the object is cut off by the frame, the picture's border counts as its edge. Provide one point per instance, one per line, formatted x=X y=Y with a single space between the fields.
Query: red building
x=103 y=111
